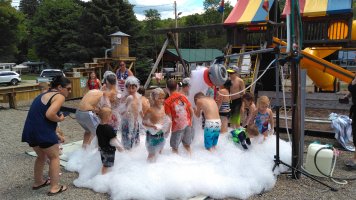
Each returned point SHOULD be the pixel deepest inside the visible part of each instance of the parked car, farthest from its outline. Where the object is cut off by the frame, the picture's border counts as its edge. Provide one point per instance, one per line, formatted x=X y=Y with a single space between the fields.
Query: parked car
x=9 y=77
x=47 y=75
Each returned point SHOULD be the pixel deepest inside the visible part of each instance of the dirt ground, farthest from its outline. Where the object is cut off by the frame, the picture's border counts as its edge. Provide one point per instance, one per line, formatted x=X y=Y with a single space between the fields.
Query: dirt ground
x=17 y=167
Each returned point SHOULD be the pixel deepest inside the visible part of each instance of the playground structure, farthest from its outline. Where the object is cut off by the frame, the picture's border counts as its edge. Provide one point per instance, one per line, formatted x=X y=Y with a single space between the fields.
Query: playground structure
x=327 y=28
x=302 y=37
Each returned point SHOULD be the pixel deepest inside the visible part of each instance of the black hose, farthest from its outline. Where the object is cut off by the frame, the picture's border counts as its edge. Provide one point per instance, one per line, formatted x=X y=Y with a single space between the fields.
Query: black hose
x=338 y=178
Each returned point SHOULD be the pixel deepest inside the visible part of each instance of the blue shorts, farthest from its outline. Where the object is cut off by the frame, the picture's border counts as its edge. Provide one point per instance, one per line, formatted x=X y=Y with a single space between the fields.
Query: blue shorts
x=211 y=133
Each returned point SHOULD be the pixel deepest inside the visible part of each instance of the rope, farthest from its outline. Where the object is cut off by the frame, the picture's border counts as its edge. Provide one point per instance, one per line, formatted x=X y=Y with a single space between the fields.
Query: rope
x=284 y=104
x=229 y=95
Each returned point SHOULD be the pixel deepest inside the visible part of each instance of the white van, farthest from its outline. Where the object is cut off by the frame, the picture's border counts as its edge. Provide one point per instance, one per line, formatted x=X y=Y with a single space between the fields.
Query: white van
x=6 y=66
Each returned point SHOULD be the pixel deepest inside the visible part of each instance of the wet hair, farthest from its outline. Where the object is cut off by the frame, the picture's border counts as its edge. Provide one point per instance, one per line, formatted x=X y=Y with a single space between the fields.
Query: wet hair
x=156 y=93
x=262 y=100
x=131 y=80
x=248 y=97
x=227 y=84
x=111 y=79
x=104 y=112
x=252 y=129
x=59 y=81
x=198 y=95
x=112 y=75
x=141 y=90
x=172 y=85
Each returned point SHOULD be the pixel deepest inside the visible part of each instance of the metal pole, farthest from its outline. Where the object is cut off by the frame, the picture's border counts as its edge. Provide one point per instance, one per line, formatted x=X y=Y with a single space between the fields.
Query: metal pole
x=302 y=81
x=176 y=18
x=251 y=52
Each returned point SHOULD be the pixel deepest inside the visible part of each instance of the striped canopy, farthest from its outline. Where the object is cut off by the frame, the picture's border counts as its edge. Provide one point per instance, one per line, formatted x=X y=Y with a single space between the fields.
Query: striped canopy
x=314 y=8
x=249 y=12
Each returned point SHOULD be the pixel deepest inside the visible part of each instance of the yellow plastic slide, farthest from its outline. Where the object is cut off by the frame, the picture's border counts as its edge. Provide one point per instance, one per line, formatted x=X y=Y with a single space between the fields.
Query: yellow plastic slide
x=322 y=72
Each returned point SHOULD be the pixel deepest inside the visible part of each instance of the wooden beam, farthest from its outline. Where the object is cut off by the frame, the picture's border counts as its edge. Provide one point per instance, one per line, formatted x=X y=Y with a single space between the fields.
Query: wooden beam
x=189 y=28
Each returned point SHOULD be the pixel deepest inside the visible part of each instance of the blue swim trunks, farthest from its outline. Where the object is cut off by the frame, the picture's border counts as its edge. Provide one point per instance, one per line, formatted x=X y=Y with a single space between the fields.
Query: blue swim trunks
x=211 y=132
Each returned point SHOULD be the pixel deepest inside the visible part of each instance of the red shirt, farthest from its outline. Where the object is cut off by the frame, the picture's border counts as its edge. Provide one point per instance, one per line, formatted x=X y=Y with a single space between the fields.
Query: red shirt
x=178 y=107
x=93 y=84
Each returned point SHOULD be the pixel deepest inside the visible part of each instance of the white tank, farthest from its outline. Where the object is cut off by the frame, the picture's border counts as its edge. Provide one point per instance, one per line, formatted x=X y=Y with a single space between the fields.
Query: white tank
x=324 y=160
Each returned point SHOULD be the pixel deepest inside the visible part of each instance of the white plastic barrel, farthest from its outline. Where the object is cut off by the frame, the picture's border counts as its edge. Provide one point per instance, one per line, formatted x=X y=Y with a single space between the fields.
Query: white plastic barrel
x=324 y=160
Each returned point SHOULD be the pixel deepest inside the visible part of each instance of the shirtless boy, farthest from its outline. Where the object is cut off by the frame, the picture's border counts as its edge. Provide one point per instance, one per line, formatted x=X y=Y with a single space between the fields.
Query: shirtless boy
x=237 y=85
x=86 y=114
x=89 y=106
x=131 y=113
x=157 y=124
x=208 y=106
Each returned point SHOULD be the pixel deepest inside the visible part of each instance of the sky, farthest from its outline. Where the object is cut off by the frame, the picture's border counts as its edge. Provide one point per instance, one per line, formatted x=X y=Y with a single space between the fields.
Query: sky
x=164 y=7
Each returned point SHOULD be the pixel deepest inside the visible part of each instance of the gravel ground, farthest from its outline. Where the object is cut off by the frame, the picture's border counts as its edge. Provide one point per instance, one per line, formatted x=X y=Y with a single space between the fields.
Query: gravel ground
x=17 y=167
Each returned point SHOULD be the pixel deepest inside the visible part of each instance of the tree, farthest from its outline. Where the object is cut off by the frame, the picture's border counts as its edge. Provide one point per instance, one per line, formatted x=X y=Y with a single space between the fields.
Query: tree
x=55 y=34
x=12 y=30
x=29 y=7
x=193 y=39
x=102 y=18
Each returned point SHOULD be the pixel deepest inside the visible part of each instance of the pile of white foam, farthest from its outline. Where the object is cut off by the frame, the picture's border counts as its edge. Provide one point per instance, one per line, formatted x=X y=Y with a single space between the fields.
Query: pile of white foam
x=227 y=172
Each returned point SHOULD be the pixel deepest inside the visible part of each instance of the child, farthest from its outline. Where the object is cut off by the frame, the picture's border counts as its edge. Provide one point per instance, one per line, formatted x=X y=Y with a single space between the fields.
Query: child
x=107 y=140
x=248 y=109
x=157 y=123
x=212 y=127
x=145 y=102
x=131 y=113
x=185 y=86
x=179 y=109
x=93 y=82
x=223 y=102
x=263 y=116
x=242 y=136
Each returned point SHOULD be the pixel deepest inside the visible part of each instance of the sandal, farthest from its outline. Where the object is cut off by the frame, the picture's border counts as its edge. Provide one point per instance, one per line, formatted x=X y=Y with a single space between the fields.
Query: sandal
x=46 y=183
x=61 y=189
x=350 y=164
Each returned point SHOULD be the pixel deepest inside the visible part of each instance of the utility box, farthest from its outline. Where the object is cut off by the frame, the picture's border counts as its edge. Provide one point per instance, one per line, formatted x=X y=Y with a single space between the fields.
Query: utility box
x=120 y=43
x=324 y=159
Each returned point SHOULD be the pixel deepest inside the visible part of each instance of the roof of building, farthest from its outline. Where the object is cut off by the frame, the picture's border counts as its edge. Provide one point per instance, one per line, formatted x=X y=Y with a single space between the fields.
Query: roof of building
x=197 y=55
x=119 y=33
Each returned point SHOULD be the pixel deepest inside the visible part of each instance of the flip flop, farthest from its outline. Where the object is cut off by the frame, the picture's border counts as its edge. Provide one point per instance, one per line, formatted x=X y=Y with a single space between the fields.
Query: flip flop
x=350 y=164
x=46 y=183
x=61 y=189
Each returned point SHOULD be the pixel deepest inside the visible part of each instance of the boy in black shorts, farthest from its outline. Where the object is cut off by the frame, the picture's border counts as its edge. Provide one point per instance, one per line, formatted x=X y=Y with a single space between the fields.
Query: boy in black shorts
x=107 y=140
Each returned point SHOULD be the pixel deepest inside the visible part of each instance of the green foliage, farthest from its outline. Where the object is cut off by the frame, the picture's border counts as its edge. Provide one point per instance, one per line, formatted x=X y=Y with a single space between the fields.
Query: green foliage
x=211 y=4
x=12 y=31
x=29 y=7
x=354 y=9
x=54 y=29
x=142 y=70
x=102 y=18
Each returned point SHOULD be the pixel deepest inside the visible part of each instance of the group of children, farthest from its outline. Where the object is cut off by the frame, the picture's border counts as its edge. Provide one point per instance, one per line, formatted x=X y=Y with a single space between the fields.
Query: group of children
x=169 y=112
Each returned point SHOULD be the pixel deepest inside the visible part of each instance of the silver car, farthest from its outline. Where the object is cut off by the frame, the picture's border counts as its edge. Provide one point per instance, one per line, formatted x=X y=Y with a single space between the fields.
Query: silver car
x=9 y=77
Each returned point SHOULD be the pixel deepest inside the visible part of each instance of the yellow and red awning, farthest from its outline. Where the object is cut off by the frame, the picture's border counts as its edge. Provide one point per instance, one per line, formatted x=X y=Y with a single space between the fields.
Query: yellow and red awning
x=315 y=8
x=249 y=12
